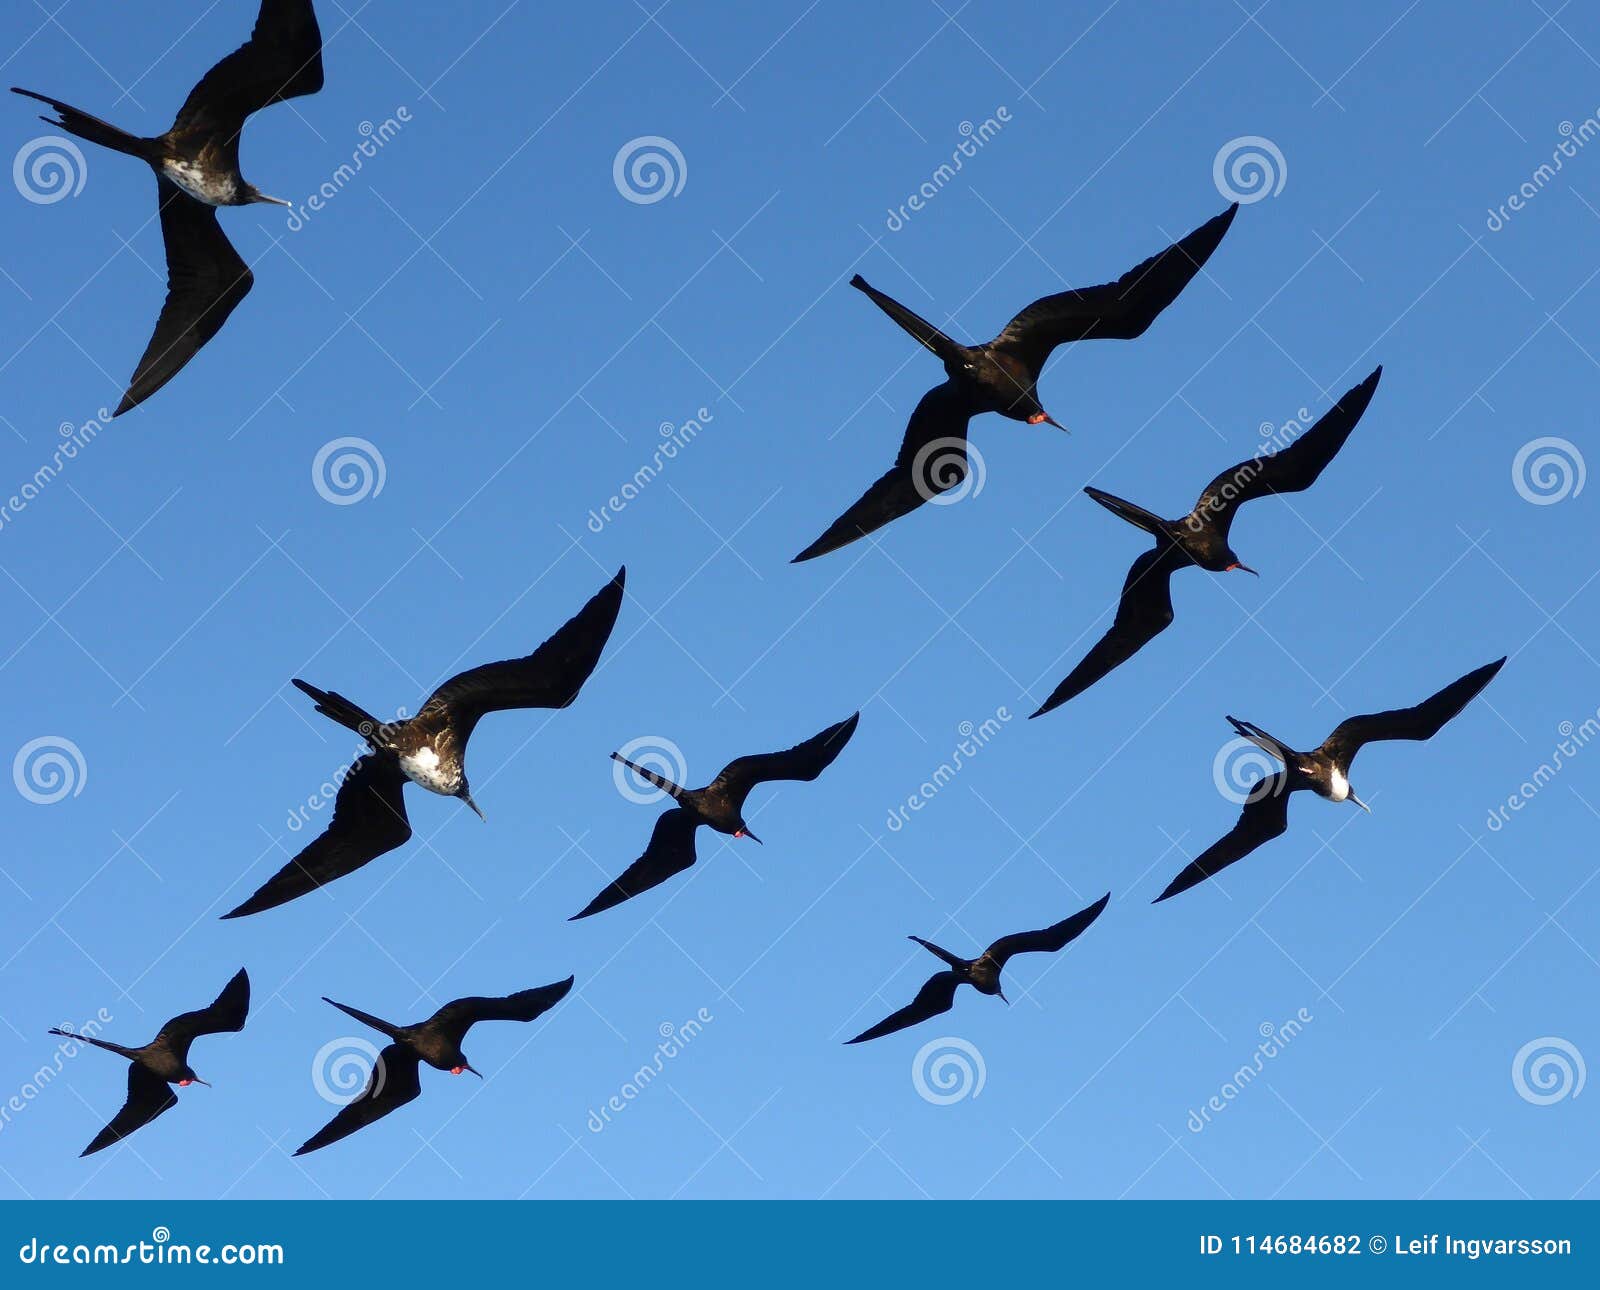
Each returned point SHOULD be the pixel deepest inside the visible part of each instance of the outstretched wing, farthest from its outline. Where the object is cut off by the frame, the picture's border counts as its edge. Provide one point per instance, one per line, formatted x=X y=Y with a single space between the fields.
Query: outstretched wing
x=1048 y=940
x=457 y=1017
x=148 y=1096
x=936 y=996
x=1420 y=722
x=394 y=1081
x=1265 y=816
x=670 y=852
x=224 y=1013
x=805 y=761
x=932 y=460
x=550 y=677
x=1143 y=613
x=281 y=60
x=1291 y=470
x=1119 y=310
x=369 y=819
x=206 y=280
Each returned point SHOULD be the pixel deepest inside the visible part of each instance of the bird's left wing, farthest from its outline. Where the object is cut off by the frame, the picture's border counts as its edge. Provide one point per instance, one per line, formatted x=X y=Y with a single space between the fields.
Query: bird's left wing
x=281 y=60
x=1423 y=721
x=227 y=1012
x=938 y=993
x=395 y=1080
x=1264 y=817
x=148 y=1096
x=1049 y=939
x=805 y=761
x=670 y=852
x=460 y=1015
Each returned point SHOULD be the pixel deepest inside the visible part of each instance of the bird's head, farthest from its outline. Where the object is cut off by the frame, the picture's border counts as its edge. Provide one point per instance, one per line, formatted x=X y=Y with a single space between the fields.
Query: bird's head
x=189 y=1077
x=465 y=794
x=743 y=831
x=463 y=1067
x=1232 y=563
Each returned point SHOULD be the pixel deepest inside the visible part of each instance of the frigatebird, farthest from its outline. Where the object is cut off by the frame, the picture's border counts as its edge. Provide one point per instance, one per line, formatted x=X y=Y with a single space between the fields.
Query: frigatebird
x=396 y=1074
x=197 y=170
x=1002 y=375
x=1200 y=538
x=1325 y=770
x=719 y=805
x=430 y=749
x=938 y=994
x=165 y=1060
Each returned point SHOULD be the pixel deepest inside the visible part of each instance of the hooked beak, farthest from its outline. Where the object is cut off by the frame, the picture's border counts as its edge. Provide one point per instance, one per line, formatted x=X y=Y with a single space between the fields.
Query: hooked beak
x=184 y=1083
x=745 y=833
x=1360 y=803
x=1242 y=568
x=467 y=798
x=274 y=201
x=1004 y=1000
x=474 y=1070
x=1048 y=420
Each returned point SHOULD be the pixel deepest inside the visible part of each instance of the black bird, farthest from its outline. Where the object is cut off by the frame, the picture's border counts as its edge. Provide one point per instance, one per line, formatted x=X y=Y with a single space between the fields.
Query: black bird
x=197 y=170
x=430 y=749
x=719 y=805
x=396 y=1075
x=1200 y=538
x=981 y=973
x=1325 y=770
x=1002 y=375
x=165 y=1060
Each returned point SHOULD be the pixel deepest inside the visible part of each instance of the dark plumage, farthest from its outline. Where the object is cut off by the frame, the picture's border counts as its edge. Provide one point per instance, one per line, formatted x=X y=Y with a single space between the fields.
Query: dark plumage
x=1324 y=771
x=1002 y=375
x=719 y=805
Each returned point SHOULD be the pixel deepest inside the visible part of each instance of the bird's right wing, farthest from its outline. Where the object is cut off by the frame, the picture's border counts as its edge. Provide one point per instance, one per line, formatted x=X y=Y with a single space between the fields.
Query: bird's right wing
x=206 y=280
x=1050 y=939
x=1422 y=721
x=936 y=996
x=395 y=1080
x=1265 y=816
x=804 y=762
x=227 y=1012
x=281 y=60
x=670 y=852
x=148 y=1096
x=460 y=1015
x=1143 y=613
x=369 y=819
x=932 y=460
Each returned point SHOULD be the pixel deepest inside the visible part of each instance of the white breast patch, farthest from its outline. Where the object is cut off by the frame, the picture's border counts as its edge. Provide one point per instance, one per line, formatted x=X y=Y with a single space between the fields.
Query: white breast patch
x=422 y=767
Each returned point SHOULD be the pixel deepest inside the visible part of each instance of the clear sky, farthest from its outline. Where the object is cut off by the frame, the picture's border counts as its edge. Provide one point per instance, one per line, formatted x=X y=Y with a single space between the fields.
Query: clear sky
x=509 y=332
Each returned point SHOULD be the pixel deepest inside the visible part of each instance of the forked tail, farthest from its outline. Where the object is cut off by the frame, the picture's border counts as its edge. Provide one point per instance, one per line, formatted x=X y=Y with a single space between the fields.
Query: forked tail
x=92 y=128
x=338 y=708
x=953 y=960
x=365 y=1018
x=86 y=1039
x=661 y=782
x=920 y=328
x=1135 y=515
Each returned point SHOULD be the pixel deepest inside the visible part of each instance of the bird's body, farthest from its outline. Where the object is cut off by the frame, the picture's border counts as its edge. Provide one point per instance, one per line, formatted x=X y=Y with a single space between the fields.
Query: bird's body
x=1325 y=770
x=437 y=1041
x=938 y=993
x=196 y=162
x=165 y=1059
x=430 y=749
x=1002 y=375
x=719 y=805
x=1201 y=539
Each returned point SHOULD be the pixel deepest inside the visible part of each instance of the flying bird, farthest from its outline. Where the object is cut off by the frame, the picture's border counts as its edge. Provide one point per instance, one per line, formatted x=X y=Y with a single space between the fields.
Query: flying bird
x=396 y=1074
x=430 y=749
x=197 y=170
x=1325 y=770
x=719 y=805
x=165 y=1060
x=938 y=994
x=1200 y=538
x=1002 y=375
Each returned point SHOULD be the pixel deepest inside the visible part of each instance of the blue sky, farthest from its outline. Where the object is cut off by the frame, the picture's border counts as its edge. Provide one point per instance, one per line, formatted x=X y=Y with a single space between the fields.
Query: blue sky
x=484 y=307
